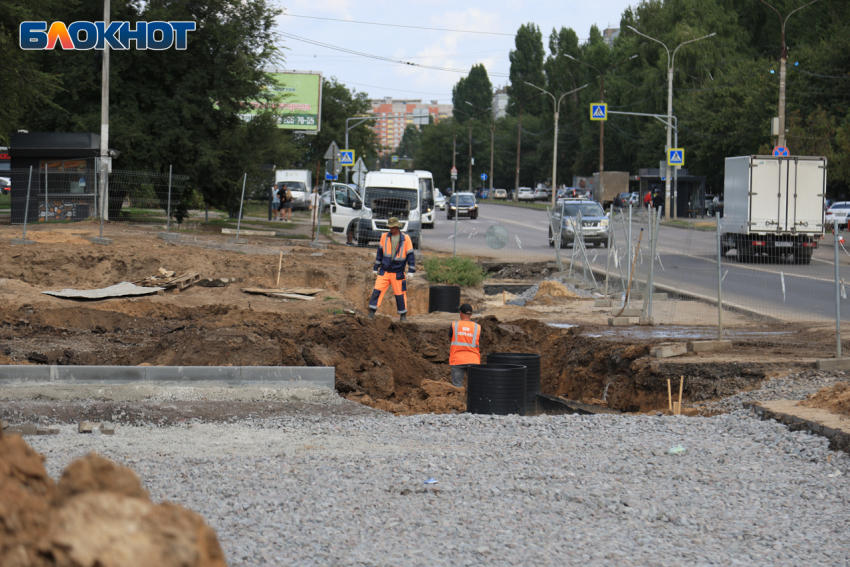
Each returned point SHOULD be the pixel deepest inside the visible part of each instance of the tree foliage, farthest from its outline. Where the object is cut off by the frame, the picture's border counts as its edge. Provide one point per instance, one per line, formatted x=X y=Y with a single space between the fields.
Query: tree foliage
x=472 y=93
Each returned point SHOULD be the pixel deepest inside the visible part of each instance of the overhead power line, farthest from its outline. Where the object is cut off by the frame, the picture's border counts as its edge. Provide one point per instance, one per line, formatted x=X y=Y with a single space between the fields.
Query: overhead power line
x=381 y=57
x=400 y=25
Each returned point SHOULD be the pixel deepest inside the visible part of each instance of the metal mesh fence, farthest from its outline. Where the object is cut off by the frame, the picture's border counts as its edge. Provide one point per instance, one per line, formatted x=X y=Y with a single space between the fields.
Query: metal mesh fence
x=44 y=196
x=775 y=288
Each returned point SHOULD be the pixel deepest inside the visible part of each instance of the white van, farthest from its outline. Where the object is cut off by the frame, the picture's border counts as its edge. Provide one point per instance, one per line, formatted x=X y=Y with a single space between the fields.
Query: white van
x=385 y=195
x=426 y=188
x=299 y=182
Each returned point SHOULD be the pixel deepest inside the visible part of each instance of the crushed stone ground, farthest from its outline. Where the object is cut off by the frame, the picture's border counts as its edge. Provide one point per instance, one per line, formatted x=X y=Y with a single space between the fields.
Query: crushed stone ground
x=342 y=490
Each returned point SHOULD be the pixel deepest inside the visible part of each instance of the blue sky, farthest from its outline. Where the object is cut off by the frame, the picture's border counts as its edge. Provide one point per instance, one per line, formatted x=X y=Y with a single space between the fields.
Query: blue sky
x=448 y=49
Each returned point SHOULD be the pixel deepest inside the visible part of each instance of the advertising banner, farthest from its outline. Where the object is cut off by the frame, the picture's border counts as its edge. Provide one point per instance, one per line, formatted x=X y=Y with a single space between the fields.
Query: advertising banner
x=296 y=98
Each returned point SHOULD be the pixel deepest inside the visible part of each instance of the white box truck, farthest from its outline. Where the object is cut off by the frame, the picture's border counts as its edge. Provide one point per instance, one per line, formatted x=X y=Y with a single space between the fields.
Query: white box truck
x=385 y=195
x=773 y=207
x=299 y=182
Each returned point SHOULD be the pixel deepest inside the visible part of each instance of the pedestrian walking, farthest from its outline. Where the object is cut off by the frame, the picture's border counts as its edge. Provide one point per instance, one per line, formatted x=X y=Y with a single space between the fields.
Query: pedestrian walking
x=395 y=250
x=275 y=203
x=465 y=349
x=285 y=203
x=647 y=200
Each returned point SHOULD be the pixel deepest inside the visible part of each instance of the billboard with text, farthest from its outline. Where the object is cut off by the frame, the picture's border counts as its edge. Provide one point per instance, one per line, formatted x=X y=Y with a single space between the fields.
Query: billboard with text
x=296 y=97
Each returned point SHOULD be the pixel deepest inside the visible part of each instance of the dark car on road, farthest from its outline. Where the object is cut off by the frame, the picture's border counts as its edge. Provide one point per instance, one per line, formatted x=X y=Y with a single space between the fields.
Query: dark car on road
x=462 y=205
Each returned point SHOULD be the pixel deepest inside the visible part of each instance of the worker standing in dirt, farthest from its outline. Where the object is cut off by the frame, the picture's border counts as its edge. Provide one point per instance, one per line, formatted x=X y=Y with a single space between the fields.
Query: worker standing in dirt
x=395 y=250
x=465 y=349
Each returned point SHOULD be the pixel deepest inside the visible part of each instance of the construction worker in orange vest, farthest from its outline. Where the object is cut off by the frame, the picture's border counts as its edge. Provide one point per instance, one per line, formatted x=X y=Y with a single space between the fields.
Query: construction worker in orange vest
x=465 y=345
x=395 y=250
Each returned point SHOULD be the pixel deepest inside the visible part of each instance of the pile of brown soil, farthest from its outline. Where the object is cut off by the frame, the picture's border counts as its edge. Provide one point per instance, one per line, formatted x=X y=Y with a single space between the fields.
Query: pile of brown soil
x=552 y=293
x=98 y=514
x=834 y=398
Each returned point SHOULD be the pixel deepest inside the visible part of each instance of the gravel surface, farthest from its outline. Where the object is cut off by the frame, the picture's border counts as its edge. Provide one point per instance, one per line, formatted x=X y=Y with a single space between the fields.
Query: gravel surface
x=796 y=386
x=556 y=490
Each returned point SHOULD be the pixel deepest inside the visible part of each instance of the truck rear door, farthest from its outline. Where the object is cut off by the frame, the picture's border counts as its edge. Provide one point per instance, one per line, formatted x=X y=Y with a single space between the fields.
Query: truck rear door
x=767 y=188
x=807 y=181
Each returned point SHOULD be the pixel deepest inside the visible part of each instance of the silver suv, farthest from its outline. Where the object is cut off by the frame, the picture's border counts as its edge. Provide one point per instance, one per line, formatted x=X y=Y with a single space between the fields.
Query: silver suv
x=594 y=222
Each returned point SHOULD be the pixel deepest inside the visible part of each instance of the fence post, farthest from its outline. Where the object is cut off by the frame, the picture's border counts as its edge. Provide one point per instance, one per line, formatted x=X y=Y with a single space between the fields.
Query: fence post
x=23 y=241
x=319 y=220
x=720 y=279
x=454 y=196
x=46 y=208
x=837 y=294
x=608 y=250
x=168 y=222
x=556 y=238
x=99 y=179
x=646 y=314
x=241 y=201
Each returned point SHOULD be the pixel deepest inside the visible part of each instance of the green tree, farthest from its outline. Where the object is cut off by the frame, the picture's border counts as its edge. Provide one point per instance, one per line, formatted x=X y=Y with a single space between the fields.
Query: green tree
x=527 y=67
x=476 y=89
x=25 y=85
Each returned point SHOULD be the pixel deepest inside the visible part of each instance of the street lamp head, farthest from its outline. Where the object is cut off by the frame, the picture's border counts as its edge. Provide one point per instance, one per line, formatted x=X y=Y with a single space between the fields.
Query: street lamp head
x=633 y=56
x=469 y=103
x=567 y=55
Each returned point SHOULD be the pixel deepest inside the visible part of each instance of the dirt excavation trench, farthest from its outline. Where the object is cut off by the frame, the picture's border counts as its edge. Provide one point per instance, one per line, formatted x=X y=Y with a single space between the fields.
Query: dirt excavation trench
x=398 y=367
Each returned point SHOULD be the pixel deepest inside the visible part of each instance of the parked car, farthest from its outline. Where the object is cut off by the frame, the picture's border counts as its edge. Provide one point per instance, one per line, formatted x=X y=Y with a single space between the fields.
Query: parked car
x=526 y=194
x=594 y=222
x=838 y=212
x=462 y=205
x=439 y=200
x=5 y=185
x=500 y=194
x=715 y=206
x=540 y=194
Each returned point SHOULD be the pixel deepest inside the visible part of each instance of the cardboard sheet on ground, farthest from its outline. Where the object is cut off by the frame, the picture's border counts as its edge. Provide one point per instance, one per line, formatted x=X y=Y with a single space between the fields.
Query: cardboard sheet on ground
x=118 y=290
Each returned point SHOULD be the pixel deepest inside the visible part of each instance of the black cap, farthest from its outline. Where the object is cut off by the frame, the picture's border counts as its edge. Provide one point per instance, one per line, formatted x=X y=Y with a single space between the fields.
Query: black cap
x=466 y=309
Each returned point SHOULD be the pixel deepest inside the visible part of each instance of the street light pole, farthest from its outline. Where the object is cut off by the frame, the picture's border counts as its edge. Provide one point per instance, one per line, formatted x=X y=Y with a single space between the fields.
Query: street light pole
x=783 y=57
x=601 y=122
x=347 y=128
x=556 y=103
x=671 y=61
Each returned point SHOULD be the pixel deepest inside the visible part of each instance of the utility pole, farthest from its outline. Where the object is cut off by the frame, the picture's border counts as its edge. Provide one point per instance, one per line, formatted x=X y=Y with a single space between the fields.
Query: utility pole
x=671 y=62
x=601 y=122
x=783 y=57
x=470 y=157
x=104 y=121
x=454 y=155
x=557 y=105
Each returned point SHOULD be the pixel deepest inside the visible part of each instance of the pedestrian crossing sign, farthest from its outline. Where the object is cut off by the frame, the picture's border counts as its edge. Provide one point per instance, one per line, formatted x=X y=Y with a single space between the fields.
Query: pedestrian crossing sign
x=676 y=156
x=598 y=111
x=346 y=158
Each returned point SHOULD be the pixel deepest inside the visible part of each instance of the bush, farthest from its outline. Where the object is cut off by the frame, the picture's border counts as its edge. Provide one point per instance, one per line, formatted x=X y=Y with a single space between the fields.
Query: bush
x=457 y=271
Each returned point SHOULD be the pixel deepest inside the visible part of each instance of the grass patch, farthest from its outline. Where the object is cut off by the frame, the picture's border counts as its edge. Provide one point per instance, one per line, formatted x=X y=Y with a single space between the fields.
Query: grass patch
x=5 y=201
x=335 y=311
x=454 y=270
x=329 y=298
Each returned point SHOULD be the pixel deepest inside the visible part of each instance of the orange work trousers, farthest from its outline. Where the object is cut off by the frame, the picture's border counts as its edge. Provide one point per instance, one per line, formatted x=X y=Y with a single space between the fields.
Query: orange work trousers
x=383 y=283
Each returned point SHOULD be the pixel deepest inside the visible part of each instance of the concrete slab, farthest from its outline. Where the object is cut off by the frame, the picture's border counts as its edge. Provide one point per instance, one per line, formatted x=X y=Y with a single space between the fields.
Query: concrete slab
x=603 y=303
x=97 y=374
x=833 y=426
x=669 y=350
x=585 y=286
x=24 y=373
x=22 y=242
x=834 y=364
x=249 y=232
x=276 y=376
x=710 y=346
x=627 y=312
x=622 y=321
x=226 y=374
x=238 y=240
x=655 y=296
x=317 y=254
x=168 y=236
x=101 y=241
x=318 y=245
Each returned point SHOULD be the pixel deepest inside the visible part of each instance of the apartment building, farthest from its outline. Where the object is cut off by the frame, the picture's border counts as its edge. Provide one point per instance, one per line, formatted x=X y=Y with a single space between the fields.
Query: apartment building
x=396 y=114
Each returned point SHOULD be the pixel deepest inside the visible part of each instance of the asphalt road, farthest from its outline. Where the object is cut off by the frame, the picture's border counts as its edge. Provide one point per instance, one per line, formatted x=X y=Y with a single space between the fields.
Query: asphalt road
x=688 y=262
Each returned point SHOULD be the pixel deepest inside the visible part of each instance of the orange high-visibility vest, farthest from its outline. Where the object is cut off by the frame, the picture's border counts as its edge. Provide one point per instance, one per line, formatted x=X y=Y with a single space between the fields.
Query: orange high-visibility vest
x=464 y=347
x=405 y=246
